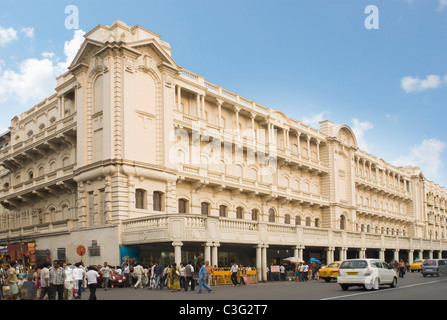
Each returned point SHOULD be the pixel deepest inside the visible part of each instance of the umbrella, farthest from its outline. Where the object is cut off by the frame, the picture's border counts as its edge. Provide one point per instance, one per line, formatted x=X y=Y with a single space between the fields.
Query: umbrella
x=315 y=260
x=293 y=260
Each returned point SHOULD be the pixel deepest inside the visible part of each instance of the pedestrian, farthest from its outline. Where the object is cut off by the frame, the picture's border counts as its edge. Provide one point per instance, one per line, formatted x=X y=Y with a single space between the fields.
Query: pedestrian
x=69 y=282
x=282 y=272
x=12 y=281
x=158 y=270
x=57 y=281
x=189 y=275
x=165 y=274
x=30 y=284
x=182 y=276
x=202 y=279
x=126 y=271
x=402 y=268
x=301 y=272
x=174 y=278
x=242 y=276
x=209 y=273
x=78 y=277
x=138 y=273
x=106 y=275
x=305 y=272
x=44 y=281
x=92 y=282
x=233 y=271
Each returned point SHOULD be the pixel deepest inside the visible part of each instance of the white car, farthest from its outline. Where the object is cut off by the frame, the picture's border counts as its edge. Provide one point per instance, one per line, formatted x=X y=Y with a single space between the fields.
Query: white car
x=367 y=273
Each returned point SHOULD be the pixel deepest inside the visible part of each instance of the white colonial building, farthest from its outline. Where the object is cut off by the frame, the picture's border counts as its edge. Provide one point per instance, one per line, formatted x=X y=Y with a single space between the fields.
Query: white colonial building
x=135 y=154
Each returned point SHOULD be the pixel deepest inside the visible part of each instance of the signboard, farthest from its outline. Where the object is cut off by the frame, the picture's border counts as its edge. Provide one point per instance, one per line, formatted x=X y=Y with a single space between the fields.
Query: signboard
x=81 y=250
x=274 y=268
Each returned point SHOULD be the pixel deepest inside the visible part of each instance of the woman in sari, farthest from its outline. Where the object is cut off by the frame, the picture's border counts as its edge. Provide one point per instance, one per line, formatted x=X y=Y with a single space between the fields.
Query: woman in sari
x=174 y=278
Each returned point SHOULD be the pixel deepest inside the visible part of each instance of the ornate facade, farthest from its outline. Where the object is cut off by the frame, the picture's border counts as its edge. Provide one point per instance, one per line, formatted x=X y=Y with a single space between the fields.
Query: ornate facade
x=134 y=151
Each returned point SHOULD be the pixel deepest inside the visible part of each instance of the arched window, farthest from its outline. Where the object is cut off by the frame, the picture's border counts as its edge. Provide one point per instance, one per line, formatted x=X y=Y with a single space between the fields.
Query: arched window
x=254 y=215
x=308 y=222
x=317 y=223
x=140 y=199
x=298 y=220
x=205 y=208
x=287 y=219
x=183 y=205
x=271 y=215
x=342 y=222
x=239 y=213
x=223 y=210
x=158 y=201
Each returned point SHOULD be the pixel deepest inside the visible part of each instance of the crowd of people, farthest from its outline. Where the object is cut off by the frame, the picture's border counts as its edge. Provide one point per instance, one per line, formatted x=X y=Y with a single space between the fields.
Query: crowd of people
x=63 y=281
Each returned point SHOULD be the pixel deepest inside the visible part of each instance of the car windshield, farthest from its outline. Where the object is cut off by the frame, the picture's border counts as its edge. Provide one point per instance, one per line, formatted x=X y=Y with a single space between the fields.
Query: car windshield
x=333 y=265
x=429 y=263
x=354 y=264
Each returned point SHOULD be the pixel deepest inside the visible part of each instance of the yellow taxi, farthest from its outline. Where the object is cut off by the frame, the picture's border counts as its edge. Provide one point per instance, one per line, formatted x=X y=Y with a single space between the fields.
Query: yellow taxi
x=416 y=265
x=330 y=271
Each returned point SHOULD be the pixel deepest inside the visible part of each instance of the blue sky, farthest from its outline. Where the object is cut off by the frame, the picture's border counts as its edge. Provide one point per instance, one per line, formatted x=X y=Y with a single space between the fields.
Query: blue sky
x=312 y=59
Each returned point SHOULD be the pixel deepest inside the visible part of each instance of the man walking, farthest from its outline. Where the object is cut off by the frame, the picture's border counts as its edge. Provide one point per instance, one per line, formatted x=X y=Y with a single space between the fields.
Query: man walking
x=44 y=281
x=189 y=274
x=233 y=270
x=92 y=281
x=57 y=281
x=106 y=275
x=202 y=279
x=138 y=273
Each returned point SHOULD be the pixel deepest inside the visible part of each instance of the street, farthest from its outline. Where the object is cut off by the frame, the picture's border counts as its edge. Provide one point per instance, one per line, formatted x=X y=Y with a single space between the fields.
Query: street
x=413 y=287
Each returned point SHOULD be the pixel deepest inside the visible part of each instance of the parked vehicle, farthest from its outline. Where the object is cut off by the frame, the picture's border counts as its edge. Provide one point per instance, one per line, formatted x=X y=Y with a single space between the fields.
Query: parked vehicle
x=330 y=271
x=416 y=265
x=367 y=273
x=434 y=267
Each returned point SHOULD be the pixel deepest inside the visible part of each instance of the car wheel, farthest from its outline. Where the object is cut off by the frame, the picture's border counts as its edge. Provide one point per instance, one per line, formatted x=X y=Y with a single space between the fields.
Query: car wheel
x=344 y=287
x=424 y=275
x=327 y=279
x=394 y=283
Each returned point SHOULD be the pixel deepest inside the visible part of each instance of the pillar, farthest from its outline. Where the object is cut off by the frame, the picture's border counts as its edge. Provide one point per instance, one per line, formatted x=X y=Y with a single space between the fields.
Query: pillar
x=264 y=265
x=259 y=262
x=207 y=252
x=179 y=98
x=410 y=256
x=177 y=252
x=215 y=257
x=382 y=254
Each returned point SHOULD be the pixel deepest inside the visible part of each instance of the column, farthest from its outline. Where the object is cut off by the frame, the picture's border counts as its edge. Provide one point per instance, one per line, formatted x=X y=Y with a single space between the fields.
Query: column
x=207 y=252
x=215 y=256
x=177 y=252
x=264 y=263
x=253 y=116
x=179 y=98
x=329 y=255
x=298 y=134
x=318 y=151
x=410 y=256
x=259 y=262
x=198 y=106
x=237 y=109
x=382 y=254
x=430 y=254
x=203 y=107
x=396 y=254
x=308 y=148
x=219 y=106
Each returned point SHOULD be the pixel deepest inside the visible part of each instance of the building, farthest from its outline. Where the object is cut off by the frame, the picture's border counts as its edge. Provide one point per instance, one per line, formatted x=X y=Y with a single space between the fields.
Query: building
x=136 y=156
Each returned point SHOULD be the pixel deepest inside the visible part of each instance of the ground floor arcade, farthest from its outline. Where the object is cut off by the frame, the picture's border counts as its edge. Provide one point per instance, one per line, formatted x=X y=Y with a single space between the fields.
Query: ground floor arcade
x=261 y=256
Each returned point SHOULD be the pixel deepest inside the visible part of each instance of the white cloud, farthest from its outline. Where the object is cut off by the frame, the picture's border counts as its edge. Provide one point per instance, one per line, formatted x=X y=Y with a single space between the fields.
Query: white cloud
x=314 y=120
x=427 y=156
x=28 y=31
x=442 y=5
x=35 y=78
x=360 y=128
x=410 y=84
x=7 y=36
